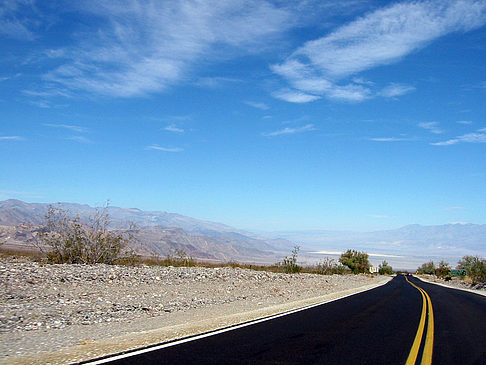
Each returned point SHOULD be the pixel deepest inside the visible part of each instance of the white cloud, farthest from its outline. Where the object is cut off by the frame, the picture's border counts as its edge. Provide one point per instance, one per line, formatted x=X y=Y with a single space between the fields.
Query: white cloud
x=139 y=48
x=165 y=149
x=174 y=128
x=288 y=130
x=394 y=90
x=452 y=209
x=380 y=216
x=80 y=139
x=466 y=138
x=215 y=82
x=379 y=38
x=351 y=92
x=13 y=24
x=11 y=138
x=432 y=127
x=257 y=105
x=466 y=122
x=74 y=128
x=389 y=139
x=293 y=96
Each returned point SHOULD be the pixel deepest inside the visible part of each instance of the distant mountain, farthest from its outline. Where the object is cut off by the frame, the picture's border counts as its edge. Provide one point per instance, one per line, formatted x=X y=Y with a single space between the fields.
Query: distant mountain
x=450 y=238
x=406 y=246
x=159 y=232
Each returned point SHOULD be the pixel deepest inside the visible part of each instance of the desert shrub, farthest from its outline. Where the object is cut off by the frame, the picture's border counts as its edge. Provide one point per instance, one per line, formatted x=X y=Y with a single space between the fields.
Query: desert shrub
x=289 y=263
x=66 y=239
x=329 y=266
x=443 y=270
x=427 y=268
x=385 y=269
x=356 y=261
x=179 y=257
x=475 y=267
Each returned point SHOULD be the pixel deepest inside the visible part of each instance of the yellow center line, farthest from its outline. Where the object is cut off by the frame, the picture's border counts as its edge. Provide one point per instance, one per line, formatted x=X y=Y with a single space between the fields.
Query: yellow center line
x=429 y=339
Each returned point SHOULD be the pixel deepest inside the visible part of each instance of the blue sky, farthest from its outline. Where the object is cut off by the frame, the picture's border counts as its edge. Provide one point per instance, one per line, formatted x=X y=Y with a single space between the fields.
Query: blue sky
x=265 y=115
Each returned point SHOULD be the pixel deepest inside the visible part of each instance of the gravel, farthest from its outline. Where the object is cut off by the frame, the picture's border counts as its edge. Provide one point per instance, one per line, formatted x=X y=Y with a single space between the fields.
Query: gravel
x=65 y=313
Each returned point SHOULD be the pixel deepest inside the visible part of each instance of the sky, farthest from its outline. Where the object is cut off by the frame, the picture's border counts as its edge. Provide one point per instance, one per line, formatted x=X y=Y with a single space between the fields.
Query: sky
x=264 y=115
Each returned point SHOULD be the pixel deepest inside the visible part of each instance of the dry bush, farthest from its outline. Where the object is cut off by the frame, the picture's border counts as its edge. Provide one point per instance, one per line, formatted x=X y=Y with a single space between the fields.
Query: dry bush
x=67 y=239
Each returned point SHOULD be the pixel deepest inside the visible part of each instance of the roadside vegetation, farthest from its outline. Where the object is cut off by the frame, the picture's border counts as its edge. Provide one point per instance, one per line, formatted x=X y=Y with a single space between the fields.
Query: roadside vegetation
x=356 y=261
x=66 y=239
x=385 y=269
x=474 y=266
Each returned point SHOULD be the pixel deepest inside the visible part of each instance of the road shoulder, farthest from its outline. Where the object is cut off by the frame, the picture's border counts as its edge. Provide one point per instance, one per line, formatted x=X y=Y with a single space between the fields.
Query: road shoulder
x=187 y=327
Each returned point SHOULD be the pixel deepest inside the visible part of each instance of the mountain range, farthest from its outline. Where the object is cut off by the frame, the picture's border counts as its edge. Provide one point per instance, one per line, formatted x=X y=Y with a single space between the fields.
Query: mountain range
x=161 y=233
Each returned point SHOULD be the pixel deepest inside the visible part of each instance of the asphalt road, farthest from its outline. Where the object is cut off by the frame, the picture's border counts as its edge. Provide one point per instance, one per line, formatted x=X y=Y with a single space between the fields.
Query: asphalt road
x=379 y=326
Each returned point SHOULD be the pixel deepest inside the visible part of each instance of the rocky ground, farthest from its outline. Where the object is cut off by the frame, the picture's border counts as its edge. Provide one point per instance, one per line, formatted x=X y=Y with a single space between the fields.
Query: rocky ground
x=458 y=283
x=46 y=309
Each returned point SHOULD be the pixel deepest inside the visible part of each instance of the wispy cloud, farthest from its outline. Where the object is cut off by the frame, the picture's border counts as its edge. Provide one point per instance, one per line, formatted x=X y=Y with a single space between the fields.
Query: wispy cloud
x=287 y=130
x=465 y=122
x=294 y=96
x=452 y=209
x=165 y=149
x=432 y=127
x=12 y=194
x=379 y=216
x=140 y=48
x=394 y=90
x=215 y=82
x=74 y=128
x=319 y=67
x=80 y=139
x=173 y=128
x=13 y=24
x=466 y=138
x=11 y=138
x=390 y=139
x=257 y=105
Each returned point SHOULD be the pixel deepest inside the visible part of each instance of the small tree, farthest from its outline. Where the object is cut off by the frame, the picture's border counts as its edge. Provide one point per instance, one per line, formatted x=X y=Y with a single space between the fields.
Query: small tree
x=427 y=268
x=355 y=260
x=475 y=267
x=444 y=269
x=289 y=264
x=385 y=269
x=66 y=239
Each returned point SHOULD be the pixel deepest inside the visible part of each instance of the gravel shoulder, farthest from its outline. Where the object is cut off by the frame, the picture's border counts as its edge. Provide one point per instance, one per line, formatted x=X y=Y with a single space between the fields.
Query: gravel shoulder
x=67 y=313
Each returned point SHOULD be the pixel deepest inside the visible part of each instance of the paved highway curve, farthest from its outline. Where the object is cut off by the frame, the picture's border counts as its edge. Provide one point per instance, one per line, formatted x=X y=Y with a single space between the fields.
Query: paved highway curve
x=405 y=321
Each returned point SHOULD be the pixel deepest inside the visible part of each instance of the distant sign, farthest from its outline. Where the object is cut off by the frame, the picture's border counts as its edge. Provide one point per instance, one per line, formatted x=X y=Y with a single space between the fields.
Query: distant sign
x=458 y=272
x=374 y=269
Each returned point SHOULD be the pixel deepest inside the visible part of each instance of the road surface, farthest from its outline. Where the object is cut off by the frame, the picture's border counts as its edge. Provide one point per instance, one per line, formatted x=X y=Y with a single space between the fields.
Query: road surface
x=405 y=321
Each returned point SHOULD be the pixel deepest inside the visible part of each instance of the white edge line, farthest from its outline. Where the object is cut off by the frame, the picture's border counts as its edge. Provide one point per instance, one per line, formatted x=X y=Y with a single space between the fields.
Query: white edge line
x=217 y=332
x=474 y=291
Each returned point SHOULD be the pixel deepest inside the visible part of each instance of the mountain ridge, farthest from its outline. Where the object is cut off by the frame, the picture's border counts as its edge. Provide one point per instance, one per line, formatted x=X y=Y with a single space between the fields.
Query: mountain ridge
x=160 y=233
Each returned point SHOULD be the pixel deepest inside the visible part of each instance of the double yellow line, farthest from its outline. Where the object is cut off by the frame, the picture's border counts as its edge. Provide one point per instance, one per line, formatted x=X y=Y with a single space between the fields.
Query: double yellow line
x=429 y=338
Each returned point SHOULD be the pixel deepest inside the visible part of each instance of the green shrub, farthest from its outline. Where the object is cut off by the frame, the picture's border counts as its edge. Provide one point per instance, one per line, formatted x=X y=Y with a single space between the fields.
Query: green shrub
x=427 y=268
x=355 y=260
x=475 y=267
x=444 y=269
x=289 y=264
x=385 y=269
